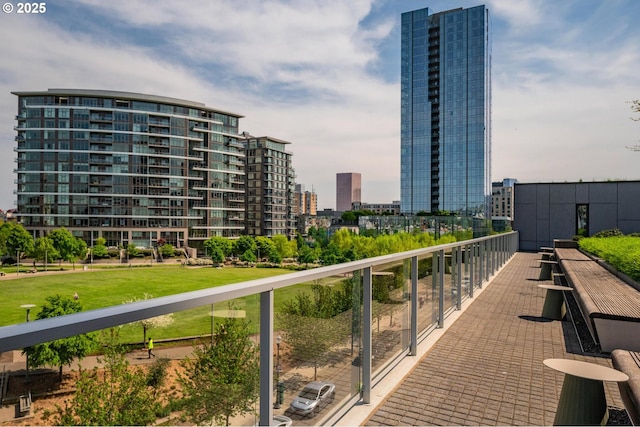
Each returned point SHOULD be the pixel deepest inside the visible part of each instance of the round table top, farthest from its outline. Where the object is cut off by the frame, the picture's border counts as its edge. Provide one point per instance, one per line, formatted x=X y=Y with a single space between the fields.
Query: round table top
x=27 y=305
x=586 y=370
x=556 y=287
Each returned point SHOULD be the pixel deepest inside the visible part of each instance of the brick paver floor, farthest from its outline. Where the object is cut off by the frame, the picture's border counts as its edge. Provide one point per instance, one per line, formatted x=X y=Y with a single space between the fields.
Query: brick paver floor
x=487 y=368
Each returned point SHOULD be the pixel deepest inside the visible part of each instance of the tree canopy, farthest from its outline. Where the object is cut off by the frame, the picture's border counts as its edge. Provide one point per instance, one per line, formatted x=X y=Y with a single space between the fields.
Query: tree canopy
x=115 y=395
x=63 y=351
x=222 y=380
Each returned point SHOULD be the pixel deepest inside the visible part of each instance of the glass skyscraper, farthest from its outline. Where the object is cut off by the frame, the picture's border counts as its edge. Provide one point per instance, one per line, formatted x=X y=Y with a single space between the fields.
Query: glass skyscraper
x=446 y=112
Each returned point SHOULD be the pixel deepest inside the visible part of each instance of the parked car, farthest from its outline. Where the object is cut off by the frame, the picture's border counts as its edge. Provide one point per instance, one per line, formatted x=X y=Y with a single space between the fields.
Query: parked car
x=313 y=397
x=281 y=421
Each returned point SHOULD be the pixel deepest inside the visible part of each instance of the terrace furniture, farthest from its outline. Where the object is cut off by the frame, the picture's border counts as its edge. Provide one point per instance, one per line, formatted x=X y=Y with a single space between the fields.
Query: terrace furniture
x=554 y=306
x=610 y=306
x=546 y=269
x=582 y=399
x=629 y=363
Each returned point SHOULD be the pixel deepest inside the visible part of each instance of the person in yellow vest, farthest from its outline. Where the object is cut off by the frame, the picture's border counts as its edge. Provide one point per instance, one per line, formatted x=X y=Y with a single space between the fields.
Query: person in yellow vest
x=150 y=347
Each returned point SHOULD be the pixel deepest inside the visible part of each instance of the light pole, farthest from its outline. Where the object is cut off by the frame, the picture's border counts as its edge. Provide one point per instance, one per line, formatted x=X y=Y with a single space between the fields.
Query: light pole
x=279 y=385
x=27 y=307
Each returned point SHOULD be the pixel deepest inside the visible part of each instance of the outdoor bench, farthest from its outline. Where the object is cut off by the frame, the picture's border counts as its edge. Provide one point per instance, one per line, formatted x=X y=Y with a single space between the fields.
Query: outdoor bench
x=629 y=363
x=610 y=306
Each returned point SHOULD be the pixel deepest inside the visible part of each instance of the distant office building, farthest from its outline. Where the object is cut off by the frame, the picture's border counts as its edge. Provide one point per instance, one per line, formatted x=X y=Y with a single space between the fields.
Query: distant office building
x=348 y=190
x=502 y=199
x=128 y=167
x=305 y=202
x=392 y=208
x=446 y=112
x=270 y=188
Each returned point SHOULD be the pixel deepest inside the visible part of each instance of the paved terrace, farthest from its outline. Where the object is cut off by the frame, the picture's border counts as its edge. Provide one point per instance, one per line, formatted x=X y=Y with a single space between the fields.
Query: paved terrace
x=487 y=368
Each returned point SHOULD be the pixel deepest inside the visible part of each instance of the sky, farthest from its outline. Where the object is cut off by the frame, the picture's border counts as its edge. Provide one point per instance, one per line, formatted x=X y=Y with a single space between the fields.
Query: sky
x=325 y=76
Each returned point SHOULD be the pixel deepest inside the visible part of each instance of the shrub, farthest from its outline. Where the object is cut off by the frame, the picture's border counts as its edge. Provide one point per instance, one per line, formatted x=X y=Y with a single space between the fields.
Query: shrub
x=608 y=233
x=622 y=252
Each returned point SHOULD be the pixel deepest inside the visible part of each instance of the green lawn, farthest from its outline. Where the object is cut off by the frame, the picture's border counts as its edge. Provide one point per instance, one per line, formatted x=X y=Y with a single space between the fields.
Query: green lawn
x=108 y=287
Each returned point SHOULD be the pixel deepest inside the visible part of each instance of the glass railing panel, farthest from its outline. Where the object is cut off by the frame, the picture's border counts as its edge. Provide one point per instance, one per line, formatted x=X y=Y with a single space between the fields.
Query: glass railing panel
x=320 y=324
x=450 y=286
x=427 y=294
x=390 y=311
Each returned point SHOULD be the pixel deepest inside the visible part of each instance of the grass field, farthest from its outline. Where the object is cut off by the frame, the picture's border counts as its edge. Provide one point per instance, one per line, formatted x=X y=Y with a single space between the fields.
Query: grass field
x=108 y=287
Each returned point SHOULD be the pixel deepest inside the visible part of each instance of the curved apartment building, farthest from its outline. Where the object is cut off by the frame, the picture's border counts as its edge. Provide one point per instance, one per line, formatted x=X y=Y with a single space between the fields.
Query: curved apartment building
x=129 y=167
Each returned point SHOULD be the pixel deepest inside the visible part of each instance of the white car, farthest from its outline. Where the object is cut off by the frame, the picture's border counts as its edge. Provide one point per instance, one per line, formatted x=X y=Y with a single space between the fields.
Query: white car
x=313 y=396
x=281 y=421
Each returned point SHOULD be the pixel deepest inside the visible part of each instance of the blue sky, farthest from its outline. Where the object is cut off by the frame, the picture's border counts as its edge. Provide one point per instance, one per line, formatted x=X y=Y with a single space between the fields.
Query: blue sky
x=324 y=75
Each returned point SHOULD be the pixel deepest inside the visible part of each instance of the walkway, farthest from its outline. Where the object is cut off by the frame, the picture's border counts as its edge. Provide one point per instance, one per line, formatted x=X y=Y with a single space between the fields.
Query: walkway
x=487 y=368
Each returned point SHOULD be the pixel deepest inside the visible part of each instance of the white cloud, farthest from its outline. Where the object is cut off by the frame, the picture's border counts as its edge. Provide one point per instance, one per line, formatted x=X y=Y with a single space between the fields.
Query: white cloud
x=298 y=70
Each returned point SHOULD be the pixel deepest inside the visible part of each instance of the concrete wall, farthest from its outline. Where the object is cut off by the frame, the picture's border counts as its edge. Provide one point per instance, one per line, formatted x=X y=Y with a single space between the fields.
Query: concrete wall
x=547 y=211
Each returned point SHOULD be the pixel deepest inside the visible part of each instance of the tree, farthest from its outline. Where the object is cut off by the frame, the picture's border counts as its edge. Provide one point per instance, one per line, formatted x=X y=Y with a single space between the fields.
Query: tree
x=349 y=216
x=99 y=250
x=167 y=250
x=43 y=250
x=69 y=246
x=132 y=250
x=244 y=244
x=218 y=248
x=248 y=256
x=267 y=249
x=152 y=322
x=117 y=395
x=17 y=239
x=63 y=351
x=221 y=381
x=306 y=255
x=286 y=248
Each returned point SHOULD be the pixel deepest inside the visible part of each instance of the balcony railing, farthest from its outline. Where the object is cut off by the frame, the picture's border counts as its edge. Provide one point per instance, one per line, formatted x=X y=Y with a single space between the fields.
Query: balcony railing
x=396 y=301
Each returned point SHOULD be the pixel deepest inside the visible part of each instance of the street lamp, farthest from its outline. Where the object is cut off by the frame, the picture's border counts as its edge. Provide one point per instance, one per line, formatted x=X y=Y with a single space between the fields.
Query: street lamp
x=279 y=385
x=27 y=307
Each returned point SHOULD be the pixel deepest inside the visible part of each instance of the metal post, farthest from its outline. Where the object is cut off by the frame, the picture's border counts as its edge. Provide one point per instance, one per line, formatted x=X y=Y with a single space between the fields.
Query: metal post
x=28 y=308
x=458 y=252
x=413 y=349
x=266 y=358
x=278 y=369
x=441 y=288
x=470 y=256
x=366 y=336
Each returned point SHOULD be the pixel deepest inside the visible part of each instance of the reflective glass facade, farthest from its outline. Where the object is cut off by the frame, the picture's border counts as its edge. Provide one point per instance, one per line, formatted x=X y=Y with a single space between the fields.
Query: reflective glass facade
x=446 y=112
x=131 y=168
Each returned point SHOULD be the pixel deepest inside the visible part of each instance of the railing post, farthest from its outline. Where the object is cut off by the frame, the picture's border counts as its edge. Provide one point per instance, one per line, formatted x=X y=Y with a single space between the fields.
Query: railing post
x=266 y=358
x=366 y=336
x=441 y=288
x=413 y=349
x=481 y=263
x=458 y=252
x=470 y=256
